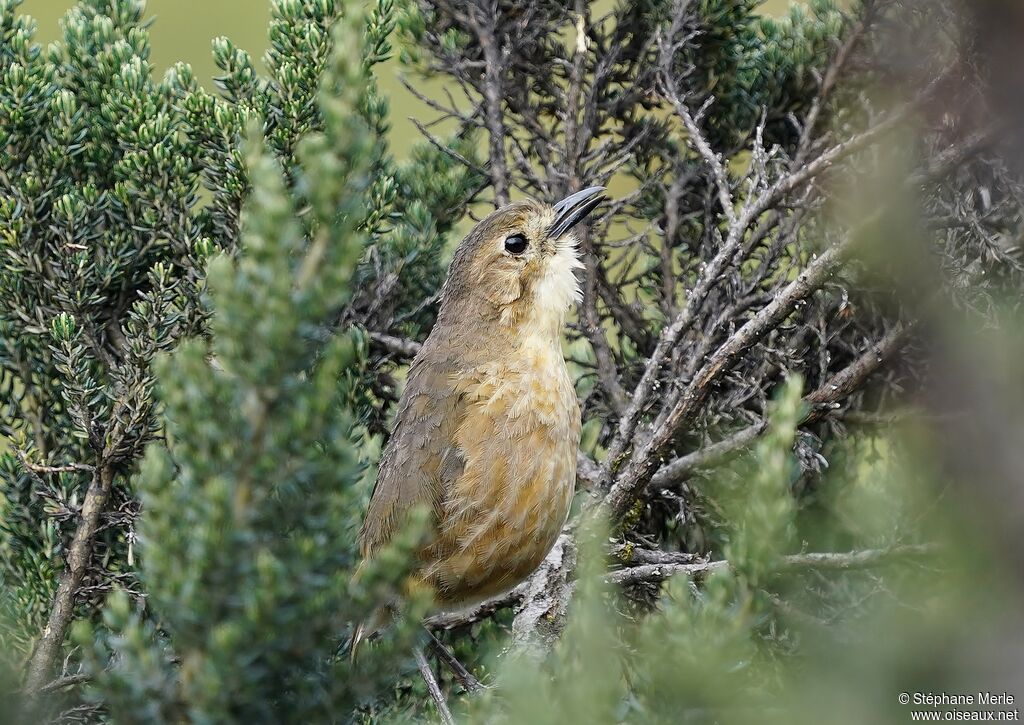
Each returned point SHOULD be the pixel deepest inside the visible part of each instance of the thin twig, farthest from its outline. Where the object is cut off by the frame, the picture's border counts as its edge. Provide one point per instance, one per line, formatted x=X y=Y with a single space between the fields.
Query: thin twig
x=644 y=460
x=398 y=345
x=435 y=691
x=445 y=149
x=465 y=677
x=655 y=565
x=67 y=681
x=679 y=468
x=819 y=560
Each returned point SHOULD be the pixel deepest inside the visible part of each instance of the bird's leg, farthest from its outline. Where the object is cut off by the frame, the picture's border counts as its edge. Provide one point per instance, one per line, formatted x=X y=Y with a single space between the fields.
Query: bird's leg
x=464 y=676
x=434 y=688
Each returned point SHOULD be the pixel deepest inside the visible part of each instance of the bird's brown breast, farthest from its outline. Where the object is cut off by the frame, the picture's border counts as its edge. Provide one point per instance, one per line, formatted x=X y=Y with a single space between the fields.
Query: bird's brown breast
x=518 y=439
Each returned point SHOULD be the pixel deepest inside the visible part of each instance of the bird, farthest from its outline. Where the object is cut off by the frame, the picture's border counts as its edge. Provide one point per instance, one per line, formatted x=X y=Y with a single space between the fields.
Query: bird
x=487 y=428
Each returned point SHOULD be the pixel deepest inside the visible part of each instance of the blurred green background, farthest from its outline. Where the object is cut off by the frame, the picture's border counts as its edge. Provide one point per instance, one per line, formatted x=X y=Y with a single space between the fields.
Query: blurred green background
x=184 y=29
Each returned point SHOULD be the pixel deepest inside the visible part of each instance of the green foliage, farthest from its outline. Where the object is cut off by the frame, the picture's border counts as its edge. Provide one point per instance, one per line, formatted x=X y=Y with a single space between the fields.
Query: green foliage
x=760 y=512
x=713 y=637
x=410 y=207
x=118 y=189
x=100 y=259
x=248 y=538
x=756 y=65
x=286 y=102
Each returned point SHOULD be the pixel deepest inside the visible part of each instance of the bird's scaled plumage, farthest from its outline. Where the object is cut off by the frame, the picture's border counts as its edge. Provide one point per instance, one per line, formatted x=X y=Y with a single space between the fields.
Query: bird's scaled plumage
x=488 y=426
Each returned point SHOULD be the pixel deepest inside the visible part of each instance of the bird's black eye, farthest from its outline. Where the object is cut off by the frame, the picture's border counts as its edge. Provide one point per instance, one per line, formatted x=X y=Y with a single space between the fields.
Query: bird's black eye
x=516 y=244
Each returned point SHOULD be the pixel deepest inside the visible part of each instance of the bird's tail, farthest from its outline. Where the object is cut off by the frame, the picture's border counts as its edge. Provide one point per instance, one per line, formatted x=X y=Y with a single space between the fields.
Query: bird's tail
x=368 y=629
x=359 y=634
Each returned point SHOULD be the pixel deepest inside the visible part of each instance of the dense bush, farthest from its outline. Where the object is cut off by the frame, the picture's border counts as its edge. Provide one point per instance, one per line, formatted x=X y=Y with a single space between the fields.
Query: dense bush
x=207 y=301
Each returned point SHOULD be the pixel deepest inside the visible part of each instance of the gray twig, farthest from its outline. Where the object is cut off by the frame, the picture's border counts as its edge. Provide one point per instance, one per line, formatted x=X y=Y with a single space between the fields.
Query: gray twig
x=435 y=690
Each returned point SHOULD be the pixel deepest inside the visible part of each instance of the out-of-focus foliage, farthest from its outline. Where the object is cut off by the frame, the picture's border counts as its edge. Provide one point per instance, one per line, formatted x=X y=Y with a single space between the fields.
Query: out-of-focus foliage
x=247 y=541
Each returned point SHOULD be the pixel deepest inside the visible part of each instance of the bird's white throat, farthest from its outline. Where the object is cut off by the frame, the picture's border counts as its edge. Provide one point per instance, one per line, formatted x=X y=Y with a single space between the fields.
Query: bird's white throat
x=556 y=290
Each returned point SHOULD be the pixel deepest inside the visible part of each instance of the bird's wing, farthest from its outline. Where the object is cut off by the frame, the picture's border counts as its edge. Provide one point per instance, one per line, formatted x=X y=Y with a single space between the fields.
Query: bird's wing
x=421 y=457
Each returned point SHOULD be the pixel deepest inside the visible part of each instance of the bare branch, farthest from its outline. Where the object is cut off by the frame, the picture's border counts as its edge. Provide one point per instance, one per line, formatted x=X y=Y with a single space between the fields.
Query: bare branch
x=680 y=468
x=644 y=460
x=67 y=681
x=397 y=345
x=484 y=28
x=653 y=565
x=40 y=667
x=823 y=561
x=433 y=688
x=456 y=620
x=821 y=401
x=840 y=385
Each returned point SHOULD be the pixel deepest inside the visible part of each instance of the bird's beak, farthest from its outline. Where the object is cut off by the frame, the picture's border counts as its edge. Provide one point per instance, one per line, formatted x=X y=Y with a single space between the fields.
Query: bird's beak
x=573 y=209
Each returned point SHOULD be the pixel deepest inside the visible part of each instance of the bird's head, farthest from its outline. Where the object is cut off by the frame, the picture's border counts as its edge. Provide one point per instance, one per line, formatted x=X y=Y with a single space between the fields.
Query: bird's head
x=518 y=265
